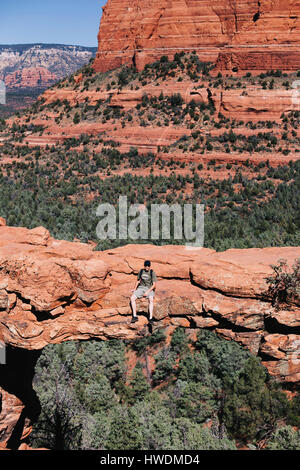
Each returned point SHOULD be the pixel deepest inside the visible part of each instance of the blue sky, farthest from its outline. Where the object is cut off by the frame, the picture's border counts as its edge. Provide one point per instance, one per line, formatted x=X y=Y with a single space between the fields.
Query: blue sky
x=50 y=21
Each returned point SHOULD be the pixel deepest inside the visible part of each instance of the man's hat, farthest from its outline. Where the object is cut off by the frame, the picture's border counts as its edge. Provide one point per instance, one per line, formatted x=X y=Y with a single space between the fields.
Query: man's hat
x=147 y=263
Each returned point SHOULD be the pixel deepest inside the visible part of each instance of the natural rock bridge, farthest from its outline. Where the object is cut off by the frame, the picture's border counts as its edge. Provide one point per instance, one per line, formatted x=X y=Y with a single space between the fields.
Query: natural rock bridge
x=53 y=291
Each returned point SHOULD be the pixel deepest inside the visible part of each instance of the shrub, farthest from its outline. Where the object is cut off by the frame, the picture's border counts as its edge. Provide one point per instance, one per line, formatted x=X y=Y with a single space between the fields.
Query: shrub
x=285 y=438
x=176 y=99
x=285 y=283
x=76 y=119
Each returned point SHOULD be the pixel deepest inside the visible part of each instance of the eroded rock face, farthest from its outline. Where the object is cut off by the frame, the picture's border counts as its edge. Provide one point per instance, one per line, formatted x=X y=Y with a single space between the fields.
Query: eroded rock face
x=53 y=291
x=30 y=77
x=247 y=34
x=19 y=403
x=255 y=104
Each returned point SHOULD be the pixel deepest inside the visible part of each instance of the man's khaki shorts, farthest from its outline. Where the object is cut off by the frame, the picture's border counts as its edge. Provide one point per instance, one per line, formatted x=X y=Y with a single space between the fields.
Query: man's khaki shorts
x=140 y=291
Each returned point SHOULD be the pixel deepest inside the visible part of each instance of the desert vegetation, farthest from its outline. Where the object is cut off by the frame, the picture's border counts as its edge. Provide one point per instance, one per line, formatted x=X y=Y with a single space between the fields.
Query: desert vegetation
x=206 y=394
x=284 y=284
x=61 y=187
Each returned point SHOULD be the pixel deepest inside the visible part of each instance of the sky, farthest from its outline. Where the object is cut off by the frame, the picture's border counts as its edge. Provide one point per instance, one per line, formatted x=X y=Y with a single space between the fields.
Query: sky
x=50 y=21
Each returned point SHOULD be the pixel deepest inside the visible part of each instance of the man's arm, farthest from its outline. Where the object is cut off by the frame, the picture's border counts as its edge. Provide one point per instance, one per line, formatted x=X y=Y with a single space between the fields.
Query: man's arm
x=136 y=284
x=150 y=289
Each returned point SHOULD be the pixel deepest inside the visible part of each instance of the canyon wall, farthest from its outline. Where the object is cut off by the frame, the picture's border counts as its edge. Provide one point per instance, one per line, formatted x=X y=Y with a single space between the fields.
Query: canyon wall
x=247 y=34
x=31 y=77
x=54 y=290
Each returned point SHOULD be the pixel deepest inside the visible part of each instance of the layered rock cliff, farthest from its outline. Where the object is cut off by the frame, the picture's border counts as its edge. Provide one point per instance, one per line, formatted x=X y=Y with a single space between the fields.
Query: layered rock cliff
x=247 y=34
x=31 y=77
x=53 y=291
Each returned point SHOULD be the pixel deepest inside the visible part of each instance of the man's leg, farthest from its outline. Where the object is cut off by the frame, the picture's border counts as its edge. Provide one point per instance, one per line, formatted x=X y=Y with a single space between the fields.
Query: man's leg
x=150 y=308
x=133 y=304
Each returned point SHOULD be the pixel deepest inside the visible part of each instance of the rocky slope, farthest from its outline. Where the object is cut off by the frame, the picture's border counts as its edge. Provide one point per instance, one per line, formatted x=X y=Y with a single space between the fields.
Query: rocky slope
x=255 y=105
x=140 y=112
x=247 y=34
x=53 y=291
x=32 y=65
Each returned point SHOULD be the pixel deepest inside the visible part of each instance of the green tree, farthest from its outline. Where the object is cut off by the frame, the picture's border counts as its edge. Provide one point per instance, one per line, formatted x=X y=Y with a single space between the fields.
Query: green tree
x=124 y=430
x=59 y=424
x=97 y=395
x=226 y=357
x=285 y=438
x=139 y=383
x=164 y=365
x=194 y=436
x=76 y=119
x=156 y=426
x=179 y=341
x=192 y=400
x=253 y=405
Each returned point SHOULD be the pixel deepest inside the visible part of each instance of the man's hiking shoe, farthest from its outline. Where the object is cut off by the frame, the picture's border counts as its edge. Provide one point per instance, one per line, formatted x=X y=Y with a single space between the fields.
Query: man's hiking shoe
x=134 y=319
x=150 y=325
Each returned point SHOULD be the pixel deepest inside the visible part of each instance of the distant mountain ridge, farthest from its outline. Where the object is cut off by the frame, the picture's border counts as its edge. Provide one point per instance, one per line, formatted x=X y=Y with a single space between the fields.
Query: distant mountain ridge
x=40 y=65
x=23 y=47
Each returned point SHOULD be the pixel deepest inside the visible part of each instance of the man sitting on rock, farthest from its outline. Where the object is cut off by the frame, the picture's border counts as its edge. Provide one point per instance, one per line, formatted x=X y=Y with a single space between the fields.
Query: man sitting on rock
x=144 y=287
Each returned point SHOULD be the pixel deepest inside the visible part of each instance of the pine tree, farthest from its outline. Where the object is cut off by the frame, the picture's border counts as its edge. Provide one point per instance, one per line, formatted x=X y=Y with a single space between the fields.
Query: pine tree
x=139 y=383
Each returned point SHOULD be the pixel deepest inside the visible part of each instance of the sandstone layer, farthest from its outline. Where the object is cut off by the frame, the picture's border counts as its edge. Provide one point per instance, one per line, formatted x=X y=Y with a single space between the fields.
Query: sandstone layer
x=54 y=290
x=30 y=77
x=247 y=34
x=253 y=104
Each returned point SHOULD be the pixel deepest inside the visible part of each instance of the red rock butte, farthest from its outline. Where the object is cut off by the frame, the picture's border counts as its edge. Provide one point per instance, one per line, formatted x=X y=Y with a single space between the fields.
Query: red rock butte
x=242 y=34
